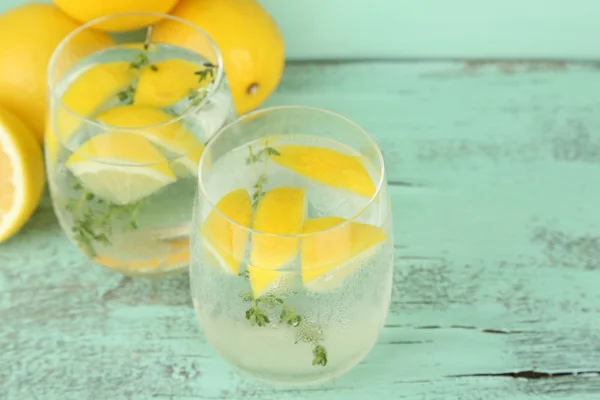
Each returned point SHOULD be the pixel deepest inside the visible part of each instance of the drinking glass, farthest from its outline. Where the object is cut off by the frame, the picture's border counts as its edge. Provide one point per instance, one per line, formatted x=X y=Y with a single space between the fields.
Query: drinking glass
x=127 y=122
x=292 y=248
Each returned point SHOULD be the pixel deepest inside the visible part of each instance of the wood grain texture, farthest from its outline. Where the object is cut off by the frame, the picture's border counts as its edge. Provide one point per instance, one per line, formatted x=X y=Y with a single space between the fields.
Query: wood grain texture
x=493 y=171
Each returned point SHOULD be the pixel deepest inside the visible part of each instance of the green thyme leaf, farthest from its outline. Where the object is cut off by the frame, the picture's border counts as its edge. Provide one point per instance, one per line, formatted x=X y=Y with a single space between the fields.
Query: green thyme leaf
x=270 y=301
x=288 y=316
x=93 y=218
x=141 y=60
x=307 y=332
x=246 y=296
x=126 y=95
x=207 y=73
x=245 y=274
x=319 y=356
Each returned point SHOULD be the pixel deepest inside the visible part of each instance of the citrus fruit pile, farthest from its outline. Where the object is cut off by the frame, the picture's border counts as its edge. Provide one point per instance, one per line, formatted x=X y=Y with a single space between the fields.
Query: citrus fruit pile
x=253 y=59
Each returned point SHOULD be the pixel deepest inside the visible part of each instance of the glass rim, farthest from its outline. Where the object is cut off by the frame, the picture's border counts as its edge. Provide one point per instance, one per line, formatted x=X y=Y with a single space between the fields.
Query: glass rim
x=52 y=92
x=254 y=114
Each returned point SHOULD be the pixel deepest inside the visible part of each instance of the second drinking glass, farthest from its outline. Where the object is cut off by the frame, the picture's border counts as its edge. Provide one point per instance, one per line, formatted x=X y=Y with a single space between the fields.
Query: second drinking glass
x=292 y=245
x=127 y=124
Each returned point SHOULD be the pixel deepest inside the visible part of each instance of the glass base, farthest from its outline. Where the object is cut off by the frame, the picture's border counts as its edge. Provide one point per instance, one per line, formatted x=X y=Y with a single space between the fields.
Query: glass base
x=317 y=378
x=150 y=273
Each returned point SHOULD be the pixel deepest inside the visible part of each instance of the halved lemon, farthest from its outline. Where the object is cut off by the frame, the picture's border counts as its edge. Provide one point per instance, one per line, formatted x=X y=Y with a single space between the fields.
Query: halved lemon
x=224 y=239
x=281 y=211
x=122 y=168
x=95 y=87
x=330 y=167
x=330 y=254
x=21 y=174
x=171 y=137
x=167 y=82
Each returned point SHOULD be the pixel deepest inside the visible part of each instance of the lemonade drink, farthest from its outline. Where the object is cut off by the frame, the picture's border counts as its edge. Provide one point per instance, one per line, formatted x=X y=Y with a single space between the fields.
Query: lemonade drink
x=126 y=131
x=292 y=252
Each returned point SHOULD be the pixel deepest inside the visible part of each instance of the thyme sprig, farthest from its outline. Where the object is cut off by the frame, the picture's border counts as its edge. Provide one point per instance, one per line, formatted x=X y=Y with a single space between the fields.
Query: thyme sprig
x=139 y=62
x=94 y=218
x=196 y=96
x=260 y=156
x=258 y=314
x=308 y=332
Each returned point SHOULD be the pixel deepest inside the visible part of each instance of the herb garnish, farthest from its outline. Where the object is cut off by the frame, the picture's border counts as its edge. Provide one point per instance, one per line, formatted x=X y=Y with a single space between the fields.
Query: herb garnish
x=196 y=96
x=140 y=61
x=126 y=95
x=261 y=156
x=257 y=313
x=93 y=218
x=209 y=69
x=307 y=331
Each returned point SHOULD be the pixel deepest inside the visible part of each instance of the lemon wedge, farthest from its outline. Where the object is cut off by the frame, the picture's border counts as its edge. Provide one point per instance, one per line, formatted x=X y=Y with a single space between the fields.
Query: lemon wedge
x=122 y=168
x=224 y=239
x=21 y=174
x=169 y=136
x=281 y=211
x=329 y=257
x=167 y=82
x=92 y=89
x=330 y=167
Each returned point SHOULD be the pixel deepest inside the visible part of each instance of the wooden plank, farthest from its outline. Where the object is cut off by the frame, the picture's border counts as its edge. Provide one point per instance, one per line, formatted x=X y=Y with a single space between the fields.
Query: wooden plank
x=497 y=248
x=188 y=387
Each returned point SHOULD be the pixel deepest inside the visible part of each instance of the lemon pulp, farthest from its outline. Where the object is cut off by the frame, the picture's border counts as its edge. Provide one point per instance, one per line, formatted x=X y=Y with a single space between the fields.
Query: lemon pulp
x=91 y=90
x=21 y=174
x=122 y=168
x=157 y=126
x=330 y=250
x=225 y=229
x=330 y=167
x=167 y=83
x=281 y=211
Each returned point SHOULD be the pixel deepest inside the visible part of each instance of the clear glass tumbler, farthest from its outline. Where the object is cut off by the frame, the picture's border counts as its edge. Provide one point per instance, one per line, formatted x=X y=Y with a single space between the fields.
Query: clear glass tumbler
x=292 y=248
x=128 y=119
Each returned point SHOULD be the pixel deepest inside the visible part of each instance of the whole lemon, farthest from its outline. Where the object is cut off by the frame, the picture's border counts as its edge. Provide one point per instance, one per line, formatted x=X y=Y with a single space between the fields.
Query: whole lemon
x=28 y=36
x=248 y=38
x=87 y=10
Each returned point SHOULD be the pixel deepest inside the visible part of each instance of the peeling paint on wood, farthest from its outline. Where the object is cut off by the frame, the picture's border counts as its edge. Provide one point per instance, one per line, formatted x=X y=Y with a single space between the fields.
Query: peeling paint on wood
x=511 y=67
x=493 y=179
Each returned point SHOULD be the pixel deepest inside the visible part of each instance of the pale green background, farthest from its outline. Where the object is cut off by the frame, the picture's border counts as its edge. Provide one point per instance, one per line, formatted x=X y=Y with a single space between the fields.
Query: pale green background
x=493 y=174
x=333 y=29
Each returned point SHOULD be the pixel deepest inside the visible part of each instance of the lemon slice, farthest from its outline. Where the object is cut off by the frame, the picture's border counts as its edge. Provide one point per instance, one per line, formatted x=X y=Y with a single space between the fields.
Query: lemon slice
x=171 y=137
x=92 y=89
x=329 y=257
x=280 y=212
x=174 y=255
x=21 y=174
x=330 y=167
x=167 y=82
x=224 y=239
x=122 y=168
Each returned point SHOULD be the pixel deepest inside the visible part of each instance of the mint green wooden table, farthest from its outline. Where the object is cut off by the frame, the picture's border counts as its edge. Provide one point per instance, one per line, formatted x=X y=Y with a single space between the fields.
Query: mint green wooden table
x=494 y=173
